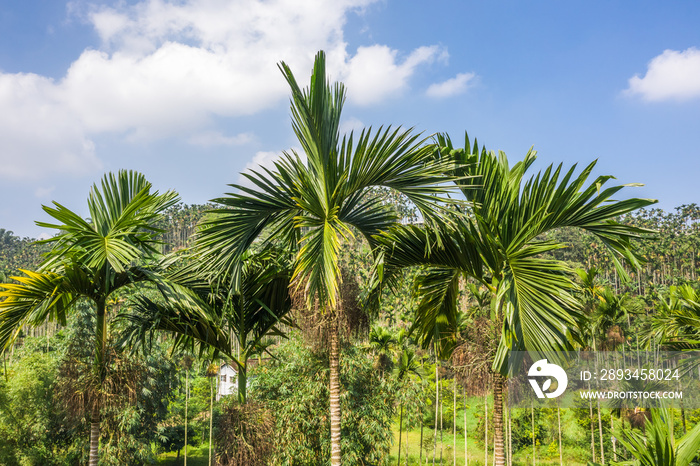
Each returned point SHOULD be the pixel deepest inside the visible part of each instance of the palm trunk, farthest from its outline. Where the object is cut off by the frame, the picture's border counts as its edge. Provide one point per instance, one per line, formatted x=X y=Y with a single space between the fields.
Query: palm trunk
x=561 y=455
x=100 y=349
x=590 y=413
x=600 y=432
x=510 y=438
x=454 y=422
x=486 y=429
x=442 y=444
x=420 y=446
x=437 y=399
x=498 y=420
x=187 y=399
x=534 y=444
x=94 y=436
x=334 y=358
x=466 y=448
x=243 y=382
x=211 y=414
x=398 y=462
x=612 y=434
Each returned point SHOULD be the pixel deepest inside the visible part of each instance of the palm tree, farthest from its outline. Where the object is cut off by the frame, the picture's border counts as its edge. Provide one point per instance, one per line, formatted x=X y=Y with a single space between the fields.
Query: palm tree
x=676 y=325
x=313 y=205
x=499 y=238
x=205 y=317
x=90 y=259
x=381 y=343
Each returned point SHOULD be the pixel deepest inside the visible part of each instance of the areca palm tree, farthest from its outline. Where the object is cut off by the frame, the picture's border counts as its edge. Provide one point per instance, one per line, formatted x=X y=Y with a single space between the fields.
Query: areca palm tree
x=90 y=259
x=676 y=325
x=313 y=205
x=498 y=239
x=206 y=318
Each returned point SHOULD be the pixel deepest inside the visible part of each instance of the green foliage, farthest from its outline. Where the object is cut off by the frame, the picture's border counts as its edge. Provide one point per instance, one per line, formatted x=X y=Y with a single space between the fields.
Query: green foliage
x=47 y=392
x=296 y=390
x=244 y=434
x=18 y=253
x=172 y=438
x=33 y=426
x=657 y=446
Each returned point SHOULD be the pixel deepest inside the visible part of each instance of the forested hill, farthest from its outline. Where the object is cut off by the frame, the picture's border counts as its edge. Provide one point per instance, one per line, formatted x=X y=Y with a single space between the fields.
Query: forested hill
x=672 y=254
x=17 y=253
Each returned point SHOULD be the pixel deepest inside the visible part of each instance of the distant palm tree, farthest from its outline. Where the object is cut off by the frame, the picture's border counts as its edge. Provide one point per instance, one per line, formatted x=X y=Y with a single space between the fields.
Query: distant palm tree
x=498 y=240
x=406 y=366
x=206 y=318
x=676 y=325
x=382 y=342
x=90 y=259
x=314 y=203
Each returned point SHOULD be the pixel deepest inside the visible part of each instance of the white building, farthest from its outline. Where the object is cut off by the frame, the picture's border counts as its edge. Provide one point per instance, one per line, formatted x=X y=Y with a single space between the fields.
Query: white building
x=228 y=381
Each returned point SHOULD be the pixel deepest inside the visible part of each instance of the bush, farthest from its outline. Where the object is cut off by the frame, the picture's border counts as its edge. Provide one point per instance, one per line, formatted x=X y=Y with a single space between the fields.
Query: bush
x=244 y=434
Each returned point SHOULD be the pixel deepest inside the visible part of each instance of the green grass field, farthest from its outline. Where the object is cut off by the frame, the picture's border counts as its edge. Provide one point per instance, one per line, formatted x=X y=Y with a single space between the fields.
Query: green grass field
x=411 y=439
x=475 y=452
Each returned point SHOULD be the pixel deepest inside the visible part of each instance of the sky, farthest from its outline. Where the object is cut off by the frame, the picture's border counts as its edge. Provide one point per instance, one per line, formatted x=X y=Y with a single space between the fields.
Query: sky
x=188 y=92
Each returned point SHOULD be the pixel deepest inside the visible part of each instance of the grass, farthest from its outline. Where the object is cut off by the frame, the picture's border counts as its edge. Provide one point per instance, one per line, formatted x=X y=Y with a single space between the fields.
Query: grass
x=475 y=451
x=196 y=456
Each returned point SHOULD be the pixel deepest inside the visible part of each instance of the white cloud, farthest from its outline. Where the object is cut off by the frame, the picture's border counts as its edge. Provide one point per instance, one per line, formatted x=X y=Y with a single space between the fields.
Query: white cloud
x=265 y=159
x=452 y=86
x=672 y=75
x=171 y=67
x=215 y=138
x=38 y=134
x=350 y=124
x=374 y=74
x=43 y=192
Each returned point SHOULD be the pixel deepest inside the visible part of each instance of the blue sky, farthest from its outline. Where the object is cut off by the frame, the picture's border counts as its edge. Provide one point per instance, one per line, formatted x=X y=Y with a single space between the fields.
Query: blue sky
x=188 y=92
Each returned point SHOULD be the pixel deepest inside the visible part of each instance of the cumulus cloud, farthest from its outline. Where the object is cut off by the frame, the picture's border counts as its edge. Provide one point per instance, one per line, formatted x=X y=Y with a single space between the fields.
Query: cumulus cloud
x=38 y=134
x=265 y=159
x=171 y=67
x=374 y=73
x=673 y=75
x=350 y=124
x=452 y=86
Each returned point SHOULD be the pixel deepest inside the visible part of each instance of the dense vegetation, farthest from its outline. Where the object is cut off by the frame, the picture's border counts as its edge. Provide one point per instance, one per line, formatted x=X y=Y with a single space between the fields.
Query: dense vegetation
x=367 y=313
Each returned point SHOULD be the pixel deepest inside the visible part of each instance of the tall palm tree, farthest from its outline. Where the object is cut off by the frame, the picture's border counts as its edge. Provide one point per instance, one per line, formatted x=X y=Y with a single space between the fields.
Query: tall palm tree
x=313 y=205
x=499 y=239
x=90 y=259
